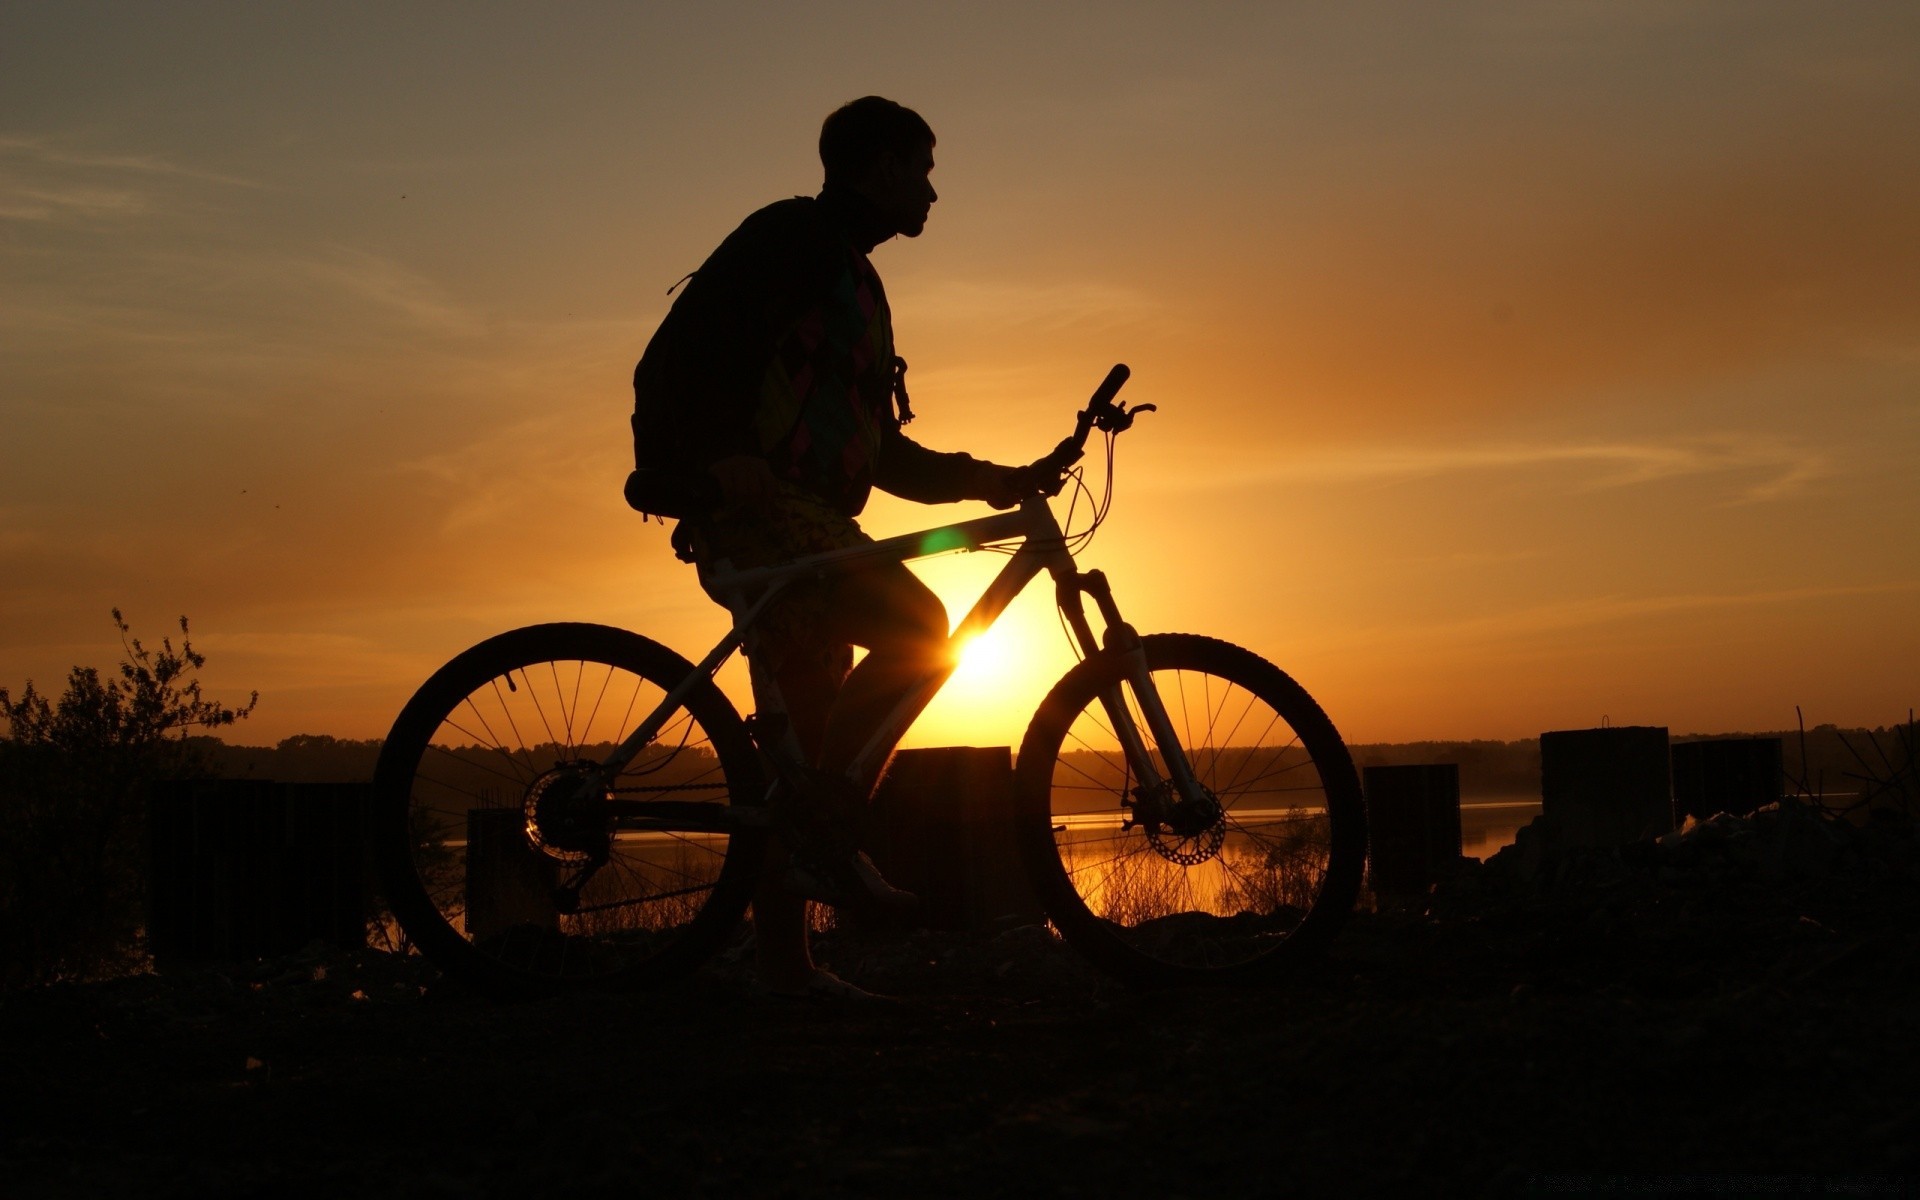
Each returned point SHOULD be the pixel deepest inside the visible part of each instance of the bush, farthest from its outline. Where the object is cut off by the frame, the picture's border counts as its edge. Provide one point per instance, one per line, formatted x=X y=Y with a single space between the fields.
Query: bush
x=74 y=778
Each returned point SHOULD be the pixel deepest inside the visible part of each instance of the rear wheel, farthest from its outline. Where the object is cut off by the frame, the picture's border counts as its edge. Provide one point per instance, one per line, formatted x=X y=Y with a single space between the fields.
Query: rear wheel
x=1236 y=881
x=507 y=870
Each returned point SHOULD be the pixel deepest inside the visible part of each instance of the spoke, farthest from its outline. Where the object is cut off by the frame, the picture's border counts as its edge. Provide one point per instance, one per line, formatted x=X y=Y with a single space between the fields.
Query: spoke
x=653 y=789
x=1252 y=699
x=1286 y=769
x=1097 y=783
x=506 y=710
x=515 y=780
x=575 y=737
x=626 y=718
x=649 y=899
x=1228 y=868
x=630 y=873
x=530 y=767
x=533 y=696
x=1123 y=853
x=1186 y=717
x=1257 y=743
x=666 y=754
x=1095 y=711
x=565 y=737
x=704 y=847
x=1306 y=815
x=1213 y=711
x=606 y=681
x=493 y=739
x=709 y=773
x=1214 y=748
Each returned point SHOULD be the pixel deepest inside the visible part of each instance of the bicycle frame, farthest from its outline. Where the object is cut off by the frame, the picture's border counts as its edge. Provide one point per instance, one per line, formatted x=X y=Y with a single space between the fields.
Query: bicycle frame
x=1042 y=548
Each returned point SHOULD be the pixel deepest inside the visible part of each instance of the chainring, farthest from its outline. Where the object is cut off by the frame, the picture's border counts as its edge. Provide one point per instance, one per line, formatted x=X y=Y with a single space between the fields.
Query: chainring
x=569 y=819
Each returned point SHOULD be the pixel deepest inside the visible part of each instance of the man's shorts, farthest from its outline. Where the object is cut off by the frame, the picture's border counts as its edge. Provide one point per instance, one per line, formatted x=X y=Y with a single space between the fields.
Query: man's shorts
x=798 y=625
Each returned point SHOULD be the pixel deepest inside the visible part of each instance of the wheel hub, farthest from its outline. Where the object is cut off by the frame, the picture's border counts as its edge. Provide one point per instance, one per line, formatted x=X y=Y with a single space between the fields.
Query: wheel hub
x=1187 y=831
x=569 y=815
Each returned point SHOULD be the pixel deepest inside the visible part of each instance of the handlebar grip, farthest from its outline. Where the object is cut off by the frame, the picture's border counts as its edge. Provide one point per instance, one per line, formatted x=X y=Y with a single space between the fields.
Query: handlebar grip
x=1057 y=460
x=1109 y=387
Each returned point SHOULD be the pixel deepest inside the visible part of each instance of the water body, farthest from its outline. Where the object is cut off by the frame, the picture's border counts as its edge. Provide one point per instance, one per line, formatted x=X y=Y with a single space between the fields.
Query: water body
x=1488 y=826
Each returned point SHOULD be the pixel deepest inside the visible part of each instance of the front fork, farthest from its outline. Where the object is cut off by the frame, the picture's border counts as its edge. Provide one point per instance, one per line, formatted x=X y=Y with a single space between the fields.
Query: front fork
x=1122 y=639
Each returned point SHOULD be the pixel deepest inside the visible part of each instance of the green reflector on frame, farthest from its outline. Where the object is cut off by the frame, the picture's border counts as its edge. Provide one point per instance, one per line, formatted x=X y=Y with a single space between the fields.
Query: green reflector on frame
x=941 y=540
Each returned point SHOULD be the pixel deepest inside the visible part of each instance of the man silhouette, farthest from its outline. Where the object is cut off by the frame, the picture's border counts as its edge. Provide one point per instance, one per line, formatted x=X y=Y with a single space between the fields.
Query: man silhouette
x=778 y=363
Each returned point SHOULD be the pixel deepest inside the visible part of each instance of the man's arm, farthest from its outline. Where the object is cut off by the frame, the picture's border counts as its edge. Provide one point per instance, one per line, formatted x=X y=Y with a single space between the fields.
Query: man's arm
x=911 y=471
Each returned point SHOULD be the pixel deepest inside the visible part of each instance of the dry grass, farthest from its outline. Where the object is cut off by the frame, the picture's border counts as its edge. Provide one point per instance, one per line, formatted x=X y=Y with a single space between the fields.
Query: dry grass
x=1281 y=871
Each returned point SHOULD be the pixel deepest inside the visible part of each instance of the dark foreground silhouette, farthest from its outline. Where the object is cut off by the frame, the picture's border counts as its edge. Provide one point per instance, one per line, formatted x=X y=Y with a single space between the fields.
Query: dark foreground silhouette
x=1732 y=1004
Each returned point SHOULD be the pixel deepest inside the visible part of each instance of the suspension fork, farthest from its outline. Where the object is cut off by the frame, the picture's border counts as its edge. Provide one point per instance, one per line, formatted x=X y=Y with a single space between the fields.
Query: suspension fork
x=1122 y=639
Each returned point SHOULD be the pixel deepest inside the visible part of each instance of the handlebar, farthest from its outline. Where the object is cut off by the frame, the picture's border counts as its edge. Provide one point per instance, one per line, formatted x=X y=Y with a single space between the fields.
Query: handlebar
x=1102 y=413
x=1109 y=387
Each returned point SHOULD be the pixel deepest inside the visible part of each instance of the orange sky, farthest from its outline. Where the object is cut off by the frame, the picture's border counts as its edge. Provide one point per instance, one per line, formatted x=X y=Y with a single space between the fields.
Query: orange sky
x=1519 y=366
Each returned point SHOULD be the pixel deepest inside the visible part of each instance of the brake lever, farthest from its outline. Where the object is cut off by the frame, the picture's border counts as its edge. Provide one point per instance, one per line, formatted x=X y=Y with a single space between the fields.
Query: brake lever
x=1119 y=418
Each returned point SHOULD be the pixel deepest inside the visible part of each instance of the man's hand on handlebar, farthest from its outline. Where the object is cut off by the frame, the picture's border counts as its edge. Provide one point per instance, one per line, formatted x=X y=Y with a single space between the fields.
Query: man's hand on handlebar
x=1004 y=487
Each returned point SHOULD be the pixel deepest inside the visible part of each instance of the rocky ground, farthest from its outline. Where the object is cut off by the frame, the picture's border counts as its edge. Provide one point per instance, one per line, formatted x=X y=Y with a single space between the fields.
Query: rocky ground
x=1730 y=1011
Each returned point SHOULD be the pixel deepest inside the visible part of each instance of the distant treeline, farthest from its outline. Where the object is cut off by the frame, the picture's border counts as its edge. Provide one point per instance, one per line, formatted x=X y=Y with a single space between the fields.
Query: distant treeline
x=303 y=758
x=1487 y=769
x=1835 y=760
x=1825 y=760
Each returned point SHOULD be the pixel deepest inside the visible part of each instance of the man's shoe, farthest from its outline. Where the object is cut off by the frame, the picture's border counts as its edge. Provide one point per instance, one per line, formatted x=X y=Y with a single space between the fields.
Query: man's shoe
x=847 y=881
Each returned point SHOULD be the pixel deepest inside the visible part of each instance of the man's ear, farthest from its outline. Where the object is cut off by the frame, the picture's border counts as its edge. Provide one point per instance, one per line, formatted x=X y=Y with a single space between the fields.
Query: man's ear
x=882 y=171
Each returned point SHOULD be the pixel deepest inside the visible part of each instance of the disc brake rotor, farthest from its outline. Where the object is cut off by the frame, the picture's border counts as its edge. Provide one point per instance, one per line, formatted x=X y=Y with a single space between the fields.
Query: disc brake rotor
x=1184 y=832
x=1188 y=851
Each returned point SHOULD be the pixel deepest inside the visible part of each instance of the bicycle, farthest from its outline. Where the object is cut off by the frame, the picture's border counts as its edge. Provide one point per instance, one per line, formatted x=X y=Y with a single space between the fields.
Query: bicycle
x=573 y=804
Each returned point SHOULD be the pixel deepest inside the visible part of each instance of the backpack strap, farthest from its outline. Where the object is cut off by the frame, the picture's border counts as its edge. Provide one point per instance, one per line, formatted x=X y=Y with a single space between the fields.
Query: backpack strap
x=900 y=390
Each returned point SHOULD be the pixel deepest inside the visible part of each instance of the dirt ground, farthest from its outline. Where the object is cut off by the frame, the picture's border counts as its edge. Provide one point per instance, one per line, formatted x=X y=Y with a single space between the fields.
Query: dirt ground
x=1652 y=1027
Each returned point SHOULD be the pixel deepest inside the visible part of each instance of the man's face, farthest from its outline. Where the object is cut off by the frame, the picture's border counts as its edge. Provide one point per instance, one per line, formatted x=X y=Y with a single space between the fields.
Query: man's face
x=901 y=188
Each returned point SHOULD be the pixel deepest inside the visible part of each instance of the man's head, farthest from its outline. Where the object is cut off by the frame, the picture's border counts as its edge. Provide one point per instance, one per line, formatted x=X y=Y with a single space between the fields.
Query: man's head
x=883 y=151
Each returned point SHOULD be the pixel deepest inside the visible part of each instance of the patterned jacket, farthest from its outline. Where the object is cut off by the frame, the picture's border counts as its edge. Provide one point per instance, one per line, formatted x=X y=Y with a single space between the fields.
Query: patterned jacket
x=781 y=346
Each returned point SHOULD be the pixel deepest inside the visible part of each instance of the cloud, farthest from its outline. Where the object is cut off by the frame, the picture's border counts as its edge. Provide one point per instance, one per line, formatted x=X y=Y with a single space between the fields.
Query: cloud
x=395 y=288
x=1595 y=466
x=317 y=659
x=1586 y=612
x=16 y=149
x=514 y=476
x=42 y=183
x=47 y=204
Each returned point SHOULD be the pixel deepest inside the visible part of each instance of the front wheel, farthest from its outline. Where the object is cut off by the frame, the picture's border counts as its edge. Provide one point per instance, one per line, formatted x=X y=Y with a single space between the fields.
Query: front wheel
x=511 y=863
x=1246 y=875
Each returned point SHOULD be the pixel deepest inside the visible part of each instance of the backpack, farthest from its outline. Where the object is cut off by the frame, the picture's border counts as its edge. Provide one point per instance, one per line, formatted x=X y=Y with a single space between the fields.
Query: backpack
x=662 y=483
x=655 y=487
x=665 y=481
x=673 y=385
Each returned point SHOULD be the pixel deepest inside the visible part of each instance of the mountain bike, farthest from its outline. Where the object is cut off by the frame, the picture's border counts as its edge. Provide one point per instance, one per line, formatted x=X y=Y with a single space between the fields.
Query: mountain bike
x=574 y=804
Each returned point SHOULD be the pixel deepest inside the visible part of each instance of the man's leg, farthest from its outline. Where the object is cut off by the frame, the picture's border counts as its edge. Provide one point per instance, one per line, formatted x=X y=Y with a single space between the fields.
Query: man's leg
x=903 y=625
x=808 y=684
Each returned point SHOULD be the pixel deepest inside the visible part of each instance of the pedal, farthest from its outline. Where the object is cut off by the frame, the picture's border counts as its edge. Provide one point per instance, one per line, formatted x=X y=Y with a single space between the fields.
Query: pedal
x=766 y=728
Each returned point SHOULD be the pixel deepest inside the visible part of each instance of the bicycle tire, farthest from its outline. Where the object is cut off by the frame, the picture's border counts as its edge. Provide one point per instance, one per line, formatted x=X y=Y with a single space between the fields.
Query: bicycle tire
x=473 y=843
x=1256 y=889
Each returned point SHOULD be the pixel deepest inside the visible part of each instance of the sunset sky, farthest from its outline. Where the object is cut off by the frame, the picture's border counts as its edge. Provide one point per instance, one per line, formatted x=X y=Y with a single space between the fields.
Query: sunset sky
x=1519 y=365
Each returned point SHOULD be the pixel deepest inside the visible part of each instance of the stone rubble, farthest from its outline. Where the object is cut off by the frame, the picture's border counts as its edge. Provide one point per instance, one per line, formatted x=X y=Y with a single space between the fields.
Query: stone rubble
x=1790 y=842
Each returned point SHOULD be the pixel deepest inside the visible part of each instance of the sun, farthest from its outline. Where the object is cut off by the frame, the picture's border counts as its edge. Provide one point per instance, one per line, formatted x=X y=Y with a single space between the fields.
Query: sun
x=1001 y=677
x=984 y=659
